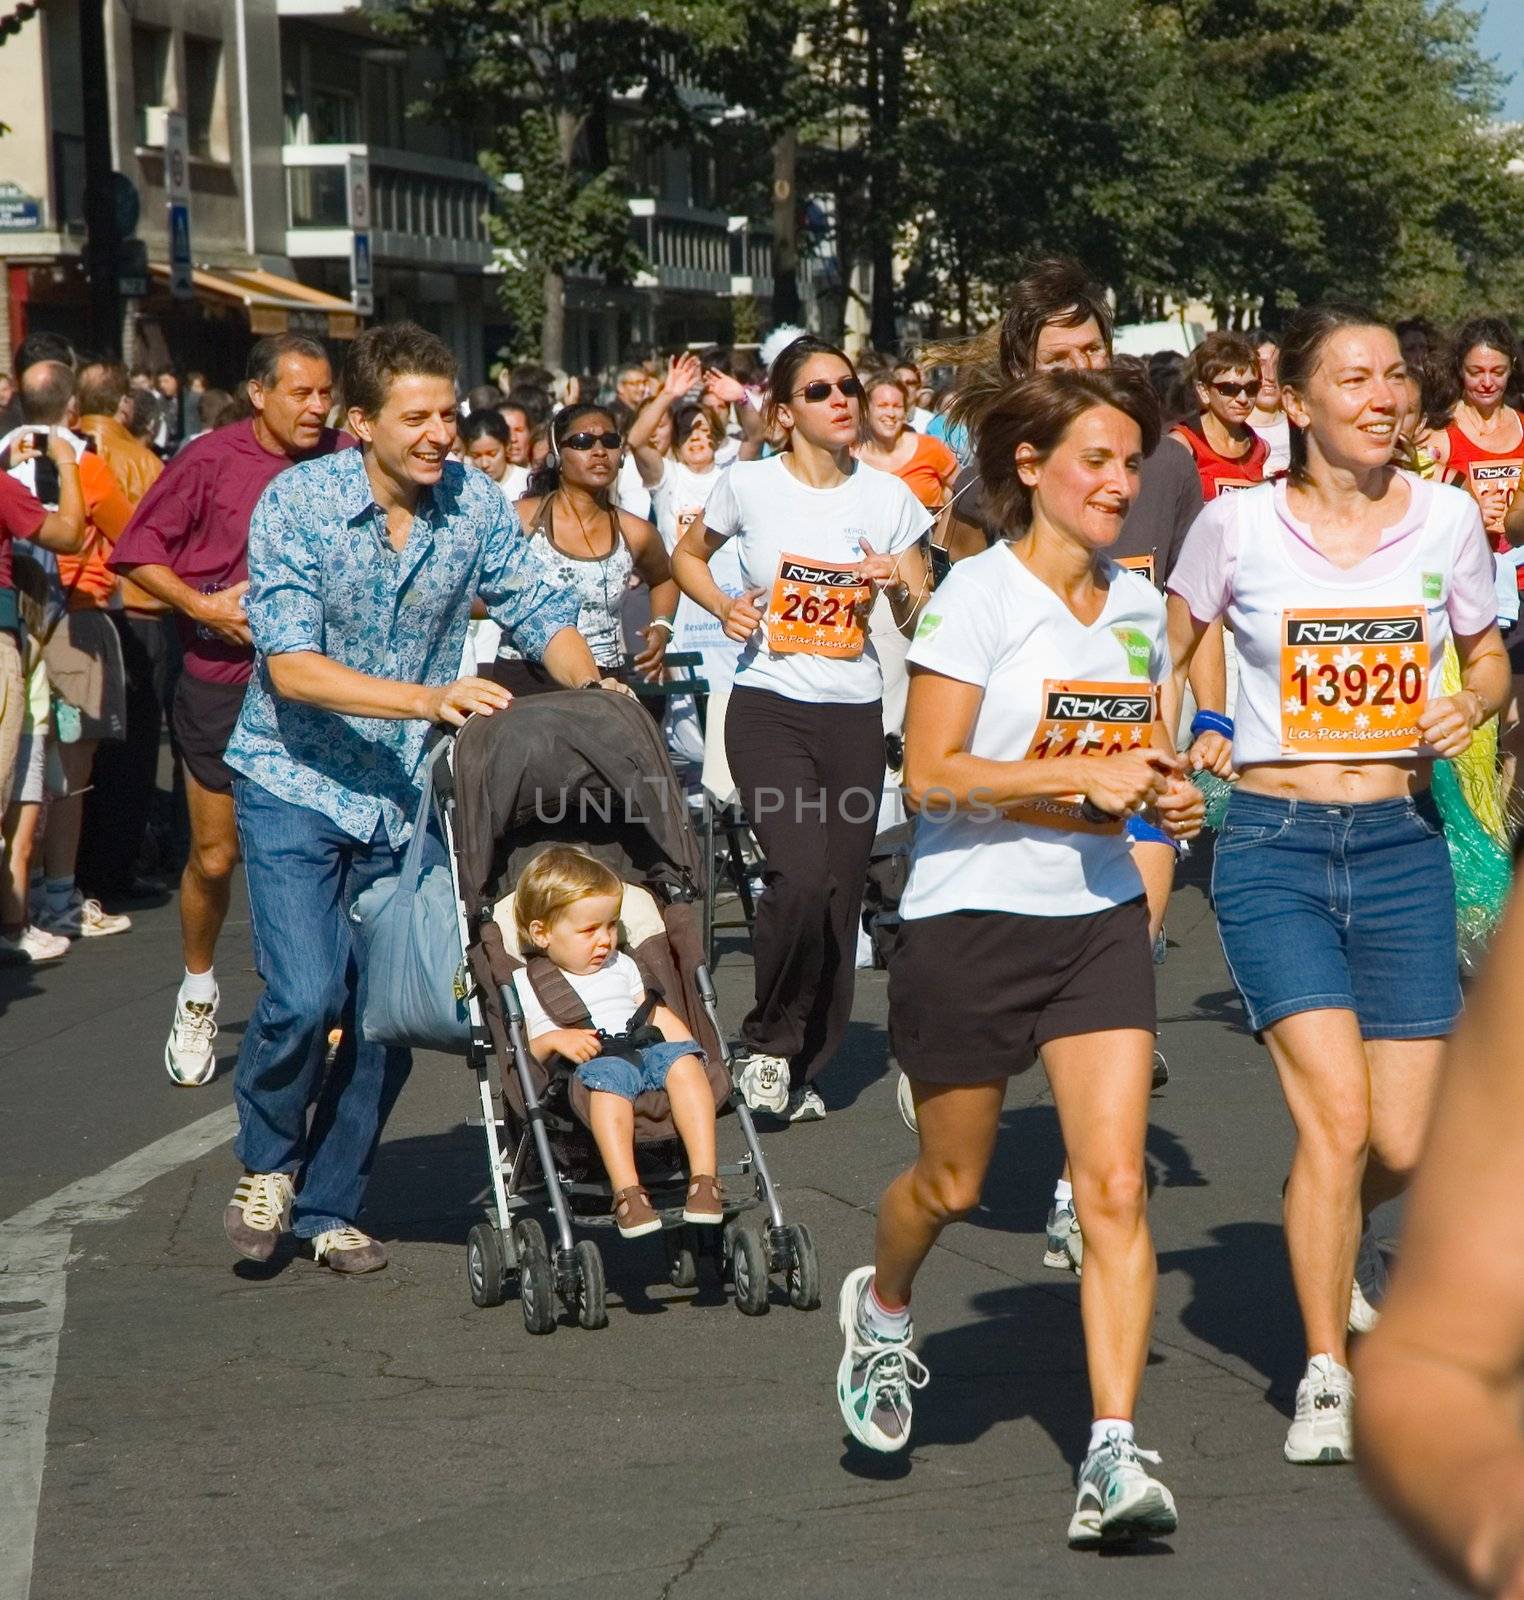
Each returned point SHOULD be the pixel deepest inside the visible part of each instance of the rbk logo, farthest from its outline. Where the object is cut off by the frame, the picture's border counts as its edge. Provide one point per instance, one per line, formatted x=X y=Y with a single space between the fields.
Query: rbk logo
x=1354 y=630
x=1067 y=706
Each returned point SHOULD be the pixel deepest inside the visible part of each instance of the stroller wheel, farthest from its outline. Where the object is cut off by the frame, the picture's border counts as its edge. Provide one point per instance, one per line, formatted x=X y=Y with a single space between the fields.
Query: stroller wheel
x=537 y=1289
x=486 y=1268
x=803 y=1277
x=592 y=1309
x=682 y=1260
x=748 y=1272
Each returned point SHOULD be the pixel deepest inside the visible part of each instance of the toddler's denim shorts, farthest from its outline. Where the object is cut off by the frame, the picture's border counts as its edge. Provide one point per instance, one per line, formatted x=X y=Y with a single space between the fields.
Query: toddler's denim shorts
x=615 y=1075
x=1339 y=907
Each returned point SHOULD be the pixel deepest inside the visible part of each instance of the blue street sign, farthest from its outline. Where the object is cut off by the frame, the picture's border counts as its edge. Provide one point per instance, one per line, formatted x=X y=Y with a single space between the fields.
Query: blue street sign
x=362 y=290
x=180 y=284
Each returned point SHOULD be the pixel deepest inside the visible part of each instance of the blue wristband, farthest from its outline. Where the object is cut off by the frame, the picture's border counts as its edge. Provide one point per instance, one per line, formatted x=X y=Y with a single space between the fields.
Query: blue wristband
x=1211 y=722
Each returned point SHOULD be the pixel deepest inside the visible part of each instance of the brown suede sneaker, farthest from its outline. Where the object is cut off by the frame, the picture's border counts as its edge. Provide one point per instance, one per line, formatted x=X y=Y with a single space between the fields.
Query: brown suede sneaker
x=348 y=1250
x=706 y=1201
x=258 y=1213
x=634 y=1213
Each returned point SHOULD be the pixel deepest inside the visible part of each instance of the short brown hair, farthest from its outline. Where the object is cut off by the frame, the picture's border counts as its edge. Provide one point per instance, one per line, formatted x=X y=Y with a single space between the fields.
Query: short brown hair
x=559 y=877
x=102 y=385
x=1222 y=352
x=1039 y=411
x=396 y=350
x=263 y=365
x=886 y=380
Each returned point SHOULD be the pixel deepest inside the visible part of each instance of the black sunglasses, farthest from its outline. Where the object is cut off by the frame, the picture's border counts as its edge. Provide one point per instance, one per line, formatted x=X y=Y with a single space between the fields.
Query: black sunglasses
x=820 y=389
x=1236 y=391
x=586 y=441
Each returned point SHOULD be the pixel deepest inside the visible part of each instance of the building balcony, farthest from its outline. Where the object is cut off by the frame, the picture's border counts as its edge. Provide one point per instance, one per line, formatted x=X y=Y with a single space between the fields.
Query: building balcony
x=425 y=211
x=700 y=251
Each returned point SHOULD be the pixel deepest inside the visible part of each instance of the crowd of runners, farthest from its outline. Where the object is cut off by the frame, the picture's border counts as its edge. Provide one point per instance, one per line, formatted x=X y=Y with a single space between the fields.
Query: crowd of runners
x=1048 y=602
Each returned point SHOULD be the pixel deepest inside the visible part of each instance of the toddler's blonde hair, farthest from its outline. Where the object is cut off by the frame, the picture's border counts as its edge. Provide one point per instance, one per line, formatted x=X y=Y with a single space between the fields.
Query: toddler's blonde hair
x=558 y=877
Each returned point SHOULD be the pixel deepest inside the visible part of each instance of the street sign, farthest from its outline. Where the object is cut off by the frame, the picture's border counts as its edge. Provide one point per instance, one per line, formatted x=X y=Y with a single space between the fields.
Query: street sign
x=357 y=185
x=131 y=269
x=177 y=193
x=19 y=213
x=361 y=288
x=181 y=284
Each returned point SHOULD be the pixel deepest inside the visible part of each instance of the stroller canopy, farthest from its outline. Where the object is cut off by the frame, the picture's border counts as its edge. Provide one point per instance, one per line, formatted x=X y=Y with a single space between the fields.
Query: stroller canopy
x=577 y=766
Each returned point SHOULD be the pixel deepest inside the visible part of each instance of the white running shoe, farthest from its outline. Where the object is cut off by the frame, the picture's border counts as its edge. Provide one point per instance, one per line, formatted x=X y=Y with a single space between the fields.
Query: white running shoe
x=764 y=1082
x=906 y=1102
x=1066 y=1244
x=804 y=1105
x=33 y=945
x=189 y=1058
x=1117 y=1499
x=1323 y=1432
x=1363 y=1316
x=876 y=1375
x=82 y=919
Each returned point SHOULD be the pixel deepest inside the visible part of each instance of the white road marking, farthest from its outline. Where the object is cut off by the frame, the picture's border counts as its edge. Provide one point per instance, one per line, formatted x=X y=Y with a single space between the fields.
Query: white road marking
x=34 y=1251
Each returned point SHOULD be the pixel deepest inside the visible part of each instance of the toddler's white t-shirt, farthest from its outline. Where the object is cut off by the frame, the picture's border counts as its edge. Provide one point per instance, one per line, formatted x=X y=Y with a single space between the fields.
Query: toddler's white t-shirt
x=612 y=995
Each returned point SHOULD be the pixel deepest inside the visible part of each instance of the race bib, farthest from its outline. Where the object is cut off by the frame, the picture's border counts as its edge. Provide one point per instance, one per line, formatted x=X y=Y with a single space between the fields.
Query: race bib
x=1353 y=683
x=1078 y=719
x=812 y=610
x=1143 y=564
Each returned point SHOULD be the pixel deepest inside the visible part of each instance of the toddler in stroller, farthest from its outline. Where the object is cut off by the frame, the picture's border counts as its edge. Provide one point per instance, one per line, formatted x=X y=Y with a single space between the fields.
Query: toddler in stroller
x=627 y=1042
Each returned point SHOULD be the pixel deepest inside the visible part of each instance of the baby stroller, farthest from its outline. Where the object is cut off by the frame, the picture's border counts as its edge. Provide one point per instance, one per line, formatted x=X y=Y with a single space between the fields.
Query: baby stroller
x=590 y=769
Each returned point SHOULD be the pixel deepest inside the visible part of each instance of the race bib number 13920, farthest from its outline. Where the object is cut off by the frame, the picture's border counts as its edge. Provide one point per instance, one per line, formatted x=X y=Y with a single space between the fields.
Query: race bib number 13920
x=1353 y=682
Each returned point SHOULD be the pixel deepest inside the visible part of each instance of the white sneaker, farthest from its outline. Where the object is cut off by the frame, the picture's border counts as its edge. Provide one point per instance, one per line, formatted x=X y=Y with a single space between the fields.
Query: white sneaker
x=189 y=1058
x=83 y=919
x=876 y=1375
x=1323 y=1432
x=906 y=1102
x=1065 y=1250
x=33 y=945
x=1363 y=1316
x=1117 y=1499
x=804 y=1105
x=764 y=1083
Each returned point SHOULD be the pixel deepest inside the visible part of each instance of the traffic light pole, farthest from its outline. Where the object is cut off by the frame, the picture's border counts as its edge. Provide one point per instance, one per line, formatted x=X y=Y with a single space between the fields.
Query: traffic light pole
x=101 y=243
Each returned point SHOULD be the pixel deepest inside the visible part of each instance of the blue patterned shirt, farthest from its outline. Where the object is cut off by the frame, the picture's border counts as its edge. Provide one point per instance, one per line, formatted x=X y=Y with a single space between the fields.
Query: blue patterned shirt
x=323 y=576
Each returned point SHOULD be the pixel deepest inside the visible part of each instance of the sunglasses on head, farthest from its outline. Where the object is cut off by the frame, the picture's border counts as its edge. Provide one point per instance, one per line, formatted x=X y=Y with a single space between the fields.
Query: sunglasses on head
x=586 y=441
x=820 y=389
x=1236 y=391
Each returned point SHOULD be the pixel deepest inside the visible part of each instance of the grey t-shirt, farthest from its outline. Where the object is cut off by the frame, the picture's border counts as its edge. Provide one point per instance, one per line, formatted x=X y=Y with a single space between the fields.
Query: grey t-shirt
x=1169 y=498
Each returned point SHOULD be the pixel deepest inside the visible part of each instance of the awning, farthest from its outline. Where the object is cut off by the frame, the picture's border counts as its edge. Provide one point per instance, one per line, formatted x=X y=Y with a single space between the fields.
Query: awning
x=274 y=304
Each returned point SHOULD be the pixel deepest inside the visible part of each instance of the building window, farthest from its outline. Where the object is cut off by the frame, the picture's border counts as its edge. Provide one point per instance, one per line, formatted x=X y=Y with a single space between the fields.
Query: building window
x=203 y=71
x=150 y=72
x=335 y=116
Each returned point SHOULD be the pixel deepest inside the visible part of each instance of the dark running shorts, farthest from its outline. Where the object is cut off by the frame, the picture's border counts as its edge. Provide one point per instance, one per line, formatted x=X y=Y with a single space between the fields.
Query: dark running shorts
x=203 y=718
x=974 y=994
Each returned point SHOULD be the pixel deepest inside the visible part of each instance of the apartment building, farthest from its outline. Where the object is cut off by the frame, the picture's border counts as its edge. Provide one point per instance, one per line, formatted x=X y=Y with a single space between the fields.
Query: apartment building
x=279 y=97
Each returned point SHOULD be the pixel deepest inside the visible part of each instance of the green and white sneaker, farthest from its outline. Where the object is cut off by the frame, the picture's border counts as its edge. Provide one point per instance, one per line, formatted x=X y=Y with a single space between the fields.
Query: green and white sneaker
x=876 y=1375
x=1323 y=1431
x=1117 y=1499
x=1066 y=1244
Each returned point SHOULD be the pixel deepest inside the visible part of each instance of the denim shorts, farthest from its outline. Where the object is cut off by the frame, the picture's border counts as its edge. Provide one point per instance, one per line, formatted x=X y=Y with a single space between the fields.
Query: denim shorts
x=1342 y=908
x=615 y=1075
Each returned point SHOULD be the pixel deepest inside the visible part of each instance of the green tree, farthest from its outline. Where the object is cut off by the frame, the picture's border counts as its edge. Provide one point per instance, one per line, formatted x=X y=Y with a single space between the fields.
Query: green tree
x=536 y=81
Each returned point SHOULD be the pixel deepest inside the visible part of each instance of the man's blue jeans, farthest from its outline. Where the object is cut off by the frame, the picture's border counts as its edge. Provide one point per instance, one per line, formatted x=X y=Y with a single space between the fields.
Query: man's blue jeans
x=304 y=873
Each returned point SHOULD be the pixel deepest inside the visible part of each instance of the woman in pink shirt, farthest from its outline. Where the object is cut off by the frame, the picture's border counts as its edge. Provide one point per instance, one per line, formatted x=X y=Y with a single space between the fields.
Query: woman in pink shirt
x=1331 y=880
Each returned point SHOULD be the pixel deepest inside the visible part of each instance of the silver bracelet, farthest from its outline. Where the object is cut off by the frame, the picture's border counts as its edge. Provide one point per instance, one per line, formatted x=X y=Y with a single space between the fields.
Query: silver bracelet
x=660 y=622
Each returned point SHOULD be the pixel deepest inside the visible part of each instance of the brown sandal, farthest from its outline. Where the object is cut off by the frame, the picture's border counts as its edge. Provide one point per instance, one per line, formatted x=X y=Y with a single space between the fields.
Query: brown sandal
x=706 y=1201
x=634 y=1213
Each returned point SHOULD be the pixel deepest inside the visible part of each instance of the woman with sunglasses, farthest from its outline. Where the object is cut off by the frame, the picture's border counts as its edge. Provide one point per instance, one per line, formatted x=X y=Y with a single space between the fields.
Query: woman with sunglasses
x=583 y=542
x=818 y=536
x=1228 y=453
x=1332 y=883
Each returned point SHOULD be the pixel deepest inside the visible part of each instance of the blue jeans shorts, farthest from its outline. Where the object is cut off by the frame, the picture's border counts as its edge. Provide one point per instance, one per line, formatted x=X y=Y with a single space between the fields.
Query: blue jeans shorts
x=615 y=1075
x=1341 y=908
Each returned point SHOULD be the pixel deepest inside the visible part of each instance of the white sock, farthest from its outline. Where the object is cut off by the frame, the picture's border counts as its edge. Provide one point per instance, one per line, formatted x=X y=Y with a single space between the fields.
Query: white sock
x=1107 y=1425
x=199 y=986
x=878 y=1319
x=1063 y=1193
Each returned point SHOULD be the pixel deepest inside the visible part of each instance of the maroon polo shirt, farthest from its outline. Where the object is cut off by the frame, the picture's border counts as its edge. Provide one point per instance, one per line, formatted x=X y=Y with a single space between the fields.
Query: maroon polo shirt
x=195 y=521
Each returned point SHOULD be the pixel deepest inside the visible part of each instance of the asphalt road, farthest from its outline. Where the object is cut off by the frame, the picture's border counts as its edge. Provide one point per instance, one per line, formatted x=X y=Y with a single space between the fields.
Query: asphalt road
x=215 y=1430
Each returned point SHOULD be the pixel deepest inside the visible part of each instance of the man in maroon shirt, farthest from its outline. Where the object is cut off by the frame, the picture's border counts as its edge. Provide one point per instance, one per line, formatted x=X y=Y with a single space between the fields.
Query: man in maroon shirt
x=188 y=545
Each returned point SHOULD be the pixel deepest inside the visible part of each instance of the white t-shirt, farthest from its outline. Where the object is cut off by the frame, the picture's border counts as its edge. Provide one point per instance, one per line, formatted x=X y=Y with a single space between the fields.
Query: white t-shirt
x=612 y=995
x=678 y=500
x=631 y=489
x=1277 y=435
x=771 y=514
x=994 y=624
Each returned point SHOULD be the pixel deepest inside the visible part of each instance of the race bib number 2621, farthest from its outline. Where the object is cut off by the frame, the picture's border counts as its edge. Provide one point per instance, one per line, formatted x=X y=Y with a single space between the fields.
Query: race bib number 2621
x=813 y=609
